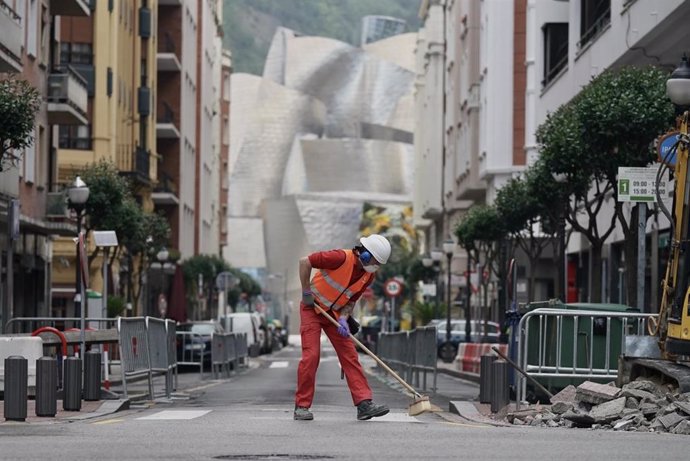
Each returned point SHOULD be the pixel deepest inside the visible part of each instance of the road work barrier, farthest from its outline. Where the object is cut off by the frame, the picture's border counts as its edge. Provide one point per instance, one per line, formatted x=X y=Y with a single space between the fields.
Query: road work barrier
x=558 y=347
x=225 y=355
x=469 y=356
x=145 y=350
x=411 y=353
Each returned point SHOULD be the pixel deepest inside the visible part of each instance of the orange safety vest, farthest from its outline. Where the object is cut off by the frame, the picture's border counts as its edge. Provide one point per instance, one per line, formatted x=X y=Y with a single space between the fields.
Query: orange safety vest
x=332 y=289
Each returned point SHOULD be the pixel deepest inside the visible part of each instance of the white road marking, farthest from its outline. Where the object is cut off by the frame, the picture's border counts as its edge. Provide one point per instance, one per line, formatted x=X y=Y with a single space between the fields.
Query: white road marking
x=279 y=364
x=396 y=418
x=175 y=414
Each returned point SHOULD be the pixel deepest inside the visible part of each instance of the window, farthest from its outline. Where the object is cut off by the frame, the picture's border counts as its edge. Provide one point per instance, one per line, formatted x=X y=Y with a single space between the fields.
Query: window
x=555 y=50
x=75 y=137
x=32 y=29
x=76 y=53
x=594 y=16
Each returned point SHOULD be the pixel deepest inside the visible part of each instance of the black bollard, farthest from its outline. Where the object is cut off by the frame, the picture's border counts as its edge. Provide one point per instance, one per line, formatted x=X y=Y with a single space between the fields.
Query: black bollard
x=16 y=383
x=46 y=386
x=71 y=395
x=92 y=375
x=500 y=393
x=485 y=378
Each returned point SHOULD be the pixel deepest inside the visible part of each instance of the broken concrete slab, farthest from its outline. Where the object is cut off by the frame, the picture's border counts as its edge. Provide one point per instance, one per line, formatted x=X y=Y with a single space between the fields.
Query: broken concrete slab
x=578 y=419
x=561 y=407
x=608 y=411
x=683 y=428
x=623 y=425
x=670 y=420
x=596 y=393
x=684 y=407
x=644 y=385
x=566 y=395
x=640 y=395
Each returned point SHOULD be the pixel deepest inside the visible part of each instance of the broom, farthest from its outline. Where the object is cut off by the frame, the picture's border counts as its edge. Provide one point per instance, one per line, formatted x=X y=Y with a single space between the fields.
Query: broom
x=421 y=402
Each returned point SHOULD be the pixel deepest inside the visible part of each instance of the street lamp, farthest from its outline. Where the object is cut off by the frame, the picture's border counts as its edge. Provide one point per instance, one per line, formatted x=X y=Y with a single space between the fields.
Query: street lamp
x=78 y=194
x=562 y=178
x=434 y=260
x=447 y=349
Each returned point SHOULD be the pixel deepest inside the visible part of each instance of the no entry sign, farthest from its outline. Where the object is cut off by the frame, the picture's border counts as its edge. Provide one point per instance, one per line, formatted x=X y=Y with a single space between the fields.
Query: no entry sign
x=392 y=288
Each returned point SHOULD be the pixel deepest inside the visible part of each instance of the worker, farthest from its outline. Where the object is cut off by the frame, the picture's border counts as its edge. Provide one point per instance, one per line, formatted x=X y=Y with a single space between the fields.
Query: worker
x=342 y=277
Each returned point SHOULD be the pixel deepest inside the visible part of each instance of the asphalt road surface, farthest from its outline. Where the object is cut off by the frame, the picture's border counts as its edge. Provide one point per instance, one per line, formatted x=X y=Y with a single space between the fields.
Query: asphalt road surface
x=249 y=417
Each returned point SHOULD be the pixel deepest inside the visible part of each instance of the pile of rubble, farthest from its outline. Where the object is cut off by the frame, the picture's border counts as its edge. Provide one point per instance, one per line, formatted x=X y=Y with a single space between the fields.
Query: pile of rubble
x=639 y=406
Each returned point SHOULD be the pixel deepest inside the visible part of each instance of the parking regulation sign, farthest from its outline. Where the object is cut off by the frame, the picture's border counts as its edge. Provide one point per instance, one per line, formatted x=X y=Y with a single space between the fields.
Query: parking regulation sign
x=639 y=184
x=392 y=288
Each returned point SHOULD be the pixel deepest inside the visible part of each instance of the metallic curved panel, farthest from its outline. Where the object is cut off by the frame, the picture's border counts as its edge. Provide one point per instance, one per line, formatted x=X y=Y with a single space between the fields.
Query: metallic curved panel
x=301 y=165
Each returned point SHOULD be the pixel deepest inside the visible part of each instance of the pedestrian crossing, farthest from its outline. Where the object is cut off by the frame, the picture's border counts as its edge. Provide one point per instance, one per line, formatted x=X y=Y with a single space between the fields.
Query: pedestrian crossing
x=174 y=415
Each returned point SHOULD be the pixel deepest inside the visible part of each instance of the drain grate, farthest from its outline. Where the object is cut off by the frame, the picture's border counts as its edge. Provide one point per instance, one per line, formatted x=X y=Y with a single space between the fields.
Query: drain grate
x=279 y=456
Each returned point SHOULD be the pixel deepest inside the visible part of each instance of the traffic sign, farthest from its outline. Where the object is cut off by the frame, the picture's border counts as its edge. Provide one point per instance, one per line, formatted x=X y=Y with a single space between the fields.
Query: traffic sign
x=392 y=288
x=665 y=143
x=639 y=184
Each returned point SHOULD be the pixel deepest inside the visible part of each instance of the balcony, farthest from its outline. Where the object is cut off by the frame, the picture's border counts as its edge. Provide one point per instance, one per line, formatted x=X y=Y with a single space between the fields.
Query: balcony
x=169 y=2
x=70 y=8
x=67 y=98
x=165 y=123
x=135 y=165
x=11 y=39
x=166 y=57
x=165 y=193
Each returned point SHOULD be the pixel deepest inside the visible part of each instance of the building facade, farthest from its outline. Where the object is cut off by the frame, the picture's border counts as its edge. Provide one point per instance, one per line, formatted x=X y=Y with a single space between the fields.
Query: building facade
x=28 y=49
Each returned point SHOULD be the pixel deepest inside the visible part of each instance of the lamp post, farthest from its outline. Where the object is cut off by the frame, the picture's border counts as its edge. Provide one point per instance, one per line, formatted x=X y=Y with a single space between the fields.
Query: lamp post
x=78 y=194
x=562 y=178
x=162 y=304
x=447 y=349
x=433 y=259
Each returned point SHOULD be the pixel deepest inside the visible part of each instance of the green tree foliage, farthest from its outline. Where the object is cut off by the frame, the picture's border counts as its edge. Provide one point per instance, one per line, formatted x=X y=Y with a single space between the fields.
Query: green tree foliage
x=19 y=102
x=250 y=24
x=209 y=266
x=612 y=122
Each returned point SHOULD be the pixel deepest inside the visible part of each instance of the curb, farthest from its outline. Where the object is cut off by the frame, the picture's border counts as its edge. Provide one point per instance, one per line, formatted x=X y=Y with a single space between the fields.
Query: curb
x=473 y=377
x=468 y=411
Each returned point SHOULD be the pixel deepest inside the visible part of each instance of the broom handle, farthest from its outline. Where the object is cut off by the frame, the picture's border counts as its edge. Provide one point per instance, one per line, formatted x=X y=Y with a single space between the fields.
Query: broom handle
x=371 y=354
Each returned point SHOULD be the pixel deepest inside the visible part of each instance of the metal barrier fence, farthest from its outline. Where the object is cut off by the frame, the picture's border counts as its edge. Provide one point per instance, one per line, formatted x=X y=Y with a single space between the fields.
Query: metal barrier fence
x=191 y=350
x=224 y=354
x=557 y=343
x=410 y=353
x=145 y=349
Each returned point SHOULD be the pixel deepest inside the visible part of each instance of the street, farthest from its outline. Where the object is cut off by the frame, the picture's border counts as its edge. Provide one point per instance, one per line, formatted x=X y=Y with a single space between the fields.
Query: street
x=249 y=416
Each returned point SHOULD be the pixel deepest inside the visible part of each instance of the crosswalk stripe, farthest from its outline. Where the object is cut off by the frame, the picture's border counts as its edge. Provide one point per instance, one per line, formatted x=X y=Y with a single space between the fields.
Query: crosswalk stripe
x=175 y=414
x=279 y=364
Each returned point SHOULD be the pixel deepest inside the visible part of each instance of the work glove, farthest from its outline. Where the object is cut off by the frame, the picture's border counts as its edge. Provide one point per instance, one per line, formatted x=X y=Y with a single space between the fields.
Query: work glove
x=308 y=299
x=353 y=324
x=343 y=328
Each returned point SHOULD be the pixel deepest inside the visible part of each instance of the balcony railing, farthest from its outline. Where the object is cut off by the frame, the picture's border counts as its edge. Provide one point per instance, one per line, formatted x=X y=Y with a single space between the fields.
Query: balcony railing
x=166 y=123
x=593 y=31
x=165 y=193
x=10 y=39
x=67 y=97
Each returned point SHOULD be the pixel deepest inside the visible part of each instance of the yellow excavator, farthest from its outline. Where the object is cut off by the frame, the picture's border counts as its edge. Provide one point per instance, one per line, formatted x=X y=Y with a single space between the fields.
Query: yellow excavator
x=672 y=326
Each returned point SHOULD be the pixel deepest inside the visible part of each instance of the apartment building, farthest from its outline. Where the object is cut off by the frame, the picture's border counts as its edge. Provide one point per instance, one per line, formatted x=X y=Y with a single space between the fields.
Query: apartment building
x=27 y=49
x=208 y=127
x=568 y=43
x=470 y=103
x=226 y=78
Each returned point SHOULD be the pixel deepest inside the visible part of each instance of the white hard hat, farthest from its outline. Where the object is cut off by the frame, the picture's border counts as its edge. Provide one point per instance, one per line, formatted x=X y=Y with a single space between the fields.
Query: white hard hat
x=378 y=246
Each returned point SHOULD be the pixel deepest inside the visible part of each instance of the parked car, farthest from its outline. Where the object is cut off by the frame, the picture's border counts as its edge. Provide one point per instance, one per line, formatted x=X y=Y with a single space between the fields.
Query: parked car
x=280 y=332
x=457 y=332
x=190 y=346
x=245 y=322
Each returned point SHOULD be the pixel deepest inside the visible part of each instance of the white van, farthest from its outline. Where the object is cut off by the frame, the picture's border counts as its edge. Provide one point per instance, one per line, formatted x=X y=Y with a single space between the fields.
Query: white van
x=244 y=322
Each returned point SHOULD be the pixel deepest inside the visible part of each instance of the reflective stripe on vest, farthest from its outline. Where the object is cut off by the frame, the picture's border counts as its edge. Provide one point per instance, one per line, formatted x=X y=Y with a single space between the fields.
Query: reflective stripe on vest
x=330 y=287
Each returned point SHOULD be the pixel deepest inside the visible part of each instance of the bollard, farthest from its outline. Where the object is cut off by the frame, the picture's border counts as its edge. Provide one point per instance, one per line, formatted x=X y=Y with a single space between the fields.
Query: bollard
x=16 y=383
x=485 y=378
x=92 y=375
x=500 y=394
x=46 y=386
x=71 y=395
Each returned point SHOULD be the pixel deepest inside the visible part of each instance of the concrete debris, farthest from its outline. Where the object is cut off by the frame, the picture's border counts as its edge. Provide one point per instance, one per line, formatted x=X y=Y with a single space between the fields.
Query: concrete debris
x=640 y=406
x=596 y=393
x=566 y=395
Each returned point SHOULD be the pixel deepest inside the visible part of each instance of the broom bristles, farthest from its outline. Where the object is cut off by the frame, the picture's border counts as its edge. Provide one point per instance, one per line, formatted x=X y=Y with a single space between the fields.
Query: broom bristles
x=419 y=406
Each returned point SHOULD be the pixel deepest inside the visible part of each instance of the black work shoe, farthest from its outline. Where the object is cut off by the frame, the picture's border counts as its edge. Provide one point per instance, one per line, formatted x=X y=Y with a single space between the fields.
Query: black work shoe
x=368 y=409
x=303 y=414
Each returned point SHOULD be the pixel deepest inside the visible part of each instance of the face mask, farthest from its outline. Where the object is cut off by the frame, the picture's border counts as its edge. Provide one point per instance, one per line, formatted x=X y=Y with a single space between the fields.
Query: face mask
x=371 y=268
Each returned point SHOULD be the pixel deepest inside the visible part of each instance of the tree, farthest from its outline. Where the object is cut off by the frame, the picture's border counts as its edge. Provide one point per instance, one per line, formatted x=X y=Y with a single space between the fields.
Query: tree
x=480 y=232
x=521 y=211
x=612 y=122
x=19 y=102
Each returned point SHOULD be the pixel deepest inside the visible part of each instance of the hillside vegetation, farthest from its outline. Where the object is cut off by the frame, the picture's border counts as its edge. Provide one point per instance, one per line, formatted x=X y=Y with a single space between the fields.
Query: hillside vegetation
x=249 y=25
